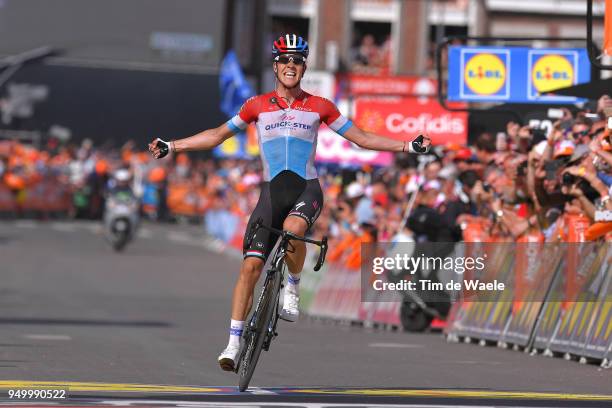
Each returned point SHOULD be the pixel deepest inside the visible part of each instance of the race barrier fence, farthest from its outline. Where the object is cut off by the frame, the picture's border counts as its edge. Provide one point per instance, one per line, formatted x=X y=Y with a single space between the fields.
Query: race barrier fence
x=558 y=299
x=42 y=197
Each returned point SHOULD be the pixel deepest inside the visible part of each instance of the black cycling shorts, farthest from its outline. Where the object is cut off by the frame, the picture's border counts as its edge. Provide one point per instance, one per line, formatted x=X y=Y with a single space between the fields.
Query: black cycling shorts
x=286 y=194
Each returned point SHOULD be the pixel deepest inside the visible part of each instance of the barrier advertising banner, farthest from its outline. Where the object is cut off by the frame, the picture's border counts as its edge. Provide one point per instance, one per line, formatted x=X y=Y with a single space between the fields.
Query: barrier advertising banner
x=333 y=148
x=515 y=74
x=581 y=304
x=402 y=118
x=535 y=269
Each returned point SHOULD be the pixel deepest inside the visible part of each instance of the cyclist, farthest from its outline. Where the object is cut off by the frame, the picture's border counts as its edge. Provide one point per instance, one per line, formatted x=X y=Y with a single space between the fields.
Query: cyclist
x=287 y=121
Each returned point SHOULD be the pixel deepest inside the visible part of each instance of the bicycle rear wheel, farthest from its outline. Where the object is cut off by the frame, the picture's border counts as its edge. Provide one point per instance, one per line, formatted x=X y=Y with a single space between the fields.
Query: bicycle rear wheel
x=256 y=336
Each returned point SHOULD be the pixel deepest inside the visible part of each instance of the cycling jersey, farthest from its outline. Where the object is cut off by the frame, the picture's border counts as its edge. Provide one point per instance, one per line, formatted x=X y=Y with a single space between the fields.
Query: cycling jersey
x=287 y=135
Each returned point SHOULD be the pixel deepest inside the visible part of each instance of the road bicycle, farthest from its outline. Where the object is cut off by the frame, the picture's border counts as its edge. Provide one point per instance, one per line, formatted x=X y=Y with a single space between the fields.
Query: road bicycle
x=261 y=326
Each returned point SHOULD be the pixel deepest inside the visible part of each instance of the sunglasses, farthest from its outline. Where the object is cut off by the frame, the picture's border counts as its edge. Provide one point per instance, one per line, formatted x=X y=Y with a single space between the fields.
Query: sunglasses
x=582 y=133
x=296 y=59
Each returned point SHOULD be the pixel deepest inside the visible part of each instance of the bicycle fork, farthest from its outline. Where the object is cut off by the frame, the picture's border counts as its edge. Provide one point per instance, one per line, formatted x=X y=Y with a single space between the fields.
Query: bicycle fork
x=271 y=330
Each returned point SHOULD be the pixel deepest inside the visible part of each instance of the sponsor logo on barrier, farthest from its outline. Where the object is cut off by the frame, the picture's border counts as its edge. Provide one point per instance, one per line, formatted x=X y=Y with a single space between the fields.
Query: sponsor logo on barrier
x=485 y=74
x=336 y=149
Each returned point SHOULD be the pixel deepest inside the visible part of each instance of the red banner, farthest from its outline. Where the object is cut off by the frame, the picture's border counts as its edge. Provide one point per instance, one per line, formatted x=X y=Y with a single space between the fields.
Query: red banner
x=356 y=85
x=402 y=118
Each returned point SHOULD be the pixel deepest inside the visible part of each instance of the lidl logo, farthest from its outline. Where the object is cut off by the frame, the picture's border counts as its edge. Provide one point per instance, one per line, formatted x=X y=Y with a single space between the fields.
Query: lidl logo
x=485 y=72
x=550 y=72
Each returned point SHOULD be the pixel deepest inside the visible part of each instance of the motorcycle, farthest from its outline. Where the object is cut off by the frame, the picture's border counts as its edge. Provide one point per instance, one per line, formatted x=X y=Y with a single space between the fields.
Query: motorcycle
x=121 y=219
x=420 y=307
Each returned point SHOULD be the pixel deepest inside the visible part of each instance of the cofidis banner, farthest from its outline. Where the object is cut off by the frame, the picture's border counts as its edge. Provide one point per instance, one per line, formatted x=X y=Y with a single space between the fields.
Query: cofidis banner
x=515 y=74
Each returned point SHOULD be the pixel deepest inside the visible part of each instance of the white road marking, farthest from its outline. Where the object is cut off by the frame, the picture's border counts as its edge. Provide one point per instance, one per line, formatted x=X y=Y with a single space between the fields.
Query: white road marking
x=145 y=233
x=51 y=337
x=179 y=237
x=211 y=404
x=58 y=226
x=95 y=228
x=25 y=224
x=396 y=345
x=260 y=391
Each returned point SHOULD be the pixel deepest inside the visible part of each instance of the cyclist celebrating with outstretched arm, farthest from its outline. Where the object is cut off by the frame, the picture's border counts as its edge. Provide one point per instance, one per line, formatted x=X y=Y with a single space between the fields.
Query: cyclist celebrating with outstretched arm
x=287 y=121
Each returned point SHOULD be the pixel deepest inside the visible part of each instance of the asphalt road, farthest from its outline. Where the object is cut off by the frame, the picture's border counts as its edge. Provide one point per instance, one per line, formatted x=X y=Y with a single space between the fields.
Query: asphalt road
x=72 y=310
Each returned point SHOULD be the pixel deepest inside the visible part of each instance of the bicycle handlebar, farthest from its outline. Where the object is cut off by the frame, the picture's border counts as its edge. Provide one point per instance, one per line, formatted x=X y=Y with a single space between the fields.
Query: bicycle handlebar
x=286 y=234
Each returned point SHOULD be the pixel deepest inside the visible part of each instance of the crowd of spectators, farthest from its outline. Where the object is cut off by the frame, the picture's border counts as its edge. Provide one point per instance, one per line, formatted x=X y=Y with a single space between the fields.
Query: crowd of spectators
x=372 y=57
x=521 y=183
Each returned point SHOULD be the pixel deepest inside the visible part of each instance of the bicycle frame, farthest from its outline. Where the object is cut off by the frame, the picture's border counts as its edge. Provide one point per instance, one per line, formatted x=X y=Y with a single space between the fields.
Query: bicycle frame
x=268 y=302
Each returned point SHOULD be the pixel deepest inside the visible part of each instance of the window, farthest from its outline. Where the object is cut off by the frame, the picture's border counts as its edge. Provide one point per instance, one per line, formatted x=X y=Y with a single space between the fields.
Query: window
x=371 y=51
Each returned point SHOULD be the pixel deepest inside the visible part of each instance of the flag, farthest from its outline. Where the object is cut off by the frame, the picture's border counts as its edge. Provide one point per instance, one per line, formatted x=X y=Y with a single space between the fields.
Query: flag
x=607 y=48
x=235 y=90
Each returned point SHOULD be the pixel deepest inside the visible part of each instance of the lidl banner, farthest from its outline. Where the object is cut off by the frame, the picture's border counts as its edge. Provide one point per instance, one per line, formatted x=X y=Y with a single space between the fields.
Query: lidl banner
x=515 y=74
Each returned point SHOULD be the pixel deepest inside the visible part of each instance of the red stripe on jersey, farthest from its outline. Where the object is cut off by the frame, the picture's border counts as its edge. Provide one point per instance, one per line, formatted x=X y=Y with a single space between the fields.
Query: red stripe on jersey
x=327 y=110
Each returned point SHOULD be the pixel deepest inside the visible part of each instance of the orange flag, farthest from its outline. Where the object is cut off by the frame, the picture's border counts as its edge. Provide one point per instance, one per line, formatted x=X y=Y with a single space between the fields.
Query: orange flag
x=607 y=48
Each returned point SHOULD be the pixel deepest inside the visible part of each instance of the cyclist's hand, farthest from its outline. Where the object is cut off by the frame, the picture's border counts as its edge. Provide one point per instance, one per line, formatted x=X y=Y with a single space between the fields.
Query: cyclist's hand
x=420 y=144
x=159 y=148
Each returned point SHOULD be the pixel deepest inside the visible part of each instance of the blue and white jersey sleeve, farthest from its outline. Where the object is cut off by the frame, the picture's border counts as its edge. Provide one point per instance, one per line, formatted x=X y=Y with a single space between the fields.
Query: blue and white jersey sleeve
x=236 y=124
x=248 y=113
x=341 y=125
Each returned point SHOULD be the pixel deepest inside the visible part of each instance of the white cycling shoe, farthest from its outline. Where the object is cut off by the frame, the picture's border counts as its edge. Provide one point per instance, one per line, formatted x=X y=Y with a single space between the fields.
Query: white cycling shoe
x=290 y=311
x=227 y=359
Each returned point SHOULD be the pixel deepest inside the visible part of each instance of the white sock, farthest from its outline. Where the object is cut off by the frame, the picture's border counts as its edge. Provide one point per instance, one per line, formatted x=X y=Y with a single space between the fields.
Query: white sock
x=293 y=283
x=236 y=327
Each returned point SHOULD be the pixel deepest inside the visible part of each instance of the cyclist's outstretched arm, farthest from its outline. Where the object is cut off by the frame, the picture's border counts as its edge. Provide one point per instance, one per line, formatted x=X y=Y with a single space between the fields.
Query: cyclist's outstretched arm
x=205 y=140
x=372 y=141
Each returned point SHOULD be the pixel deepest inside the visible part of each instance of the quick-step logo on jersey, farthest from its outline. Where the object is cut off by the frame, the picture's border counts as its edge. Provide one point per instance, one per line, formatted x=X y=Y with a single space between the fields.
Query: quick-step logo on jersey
x=288 y=124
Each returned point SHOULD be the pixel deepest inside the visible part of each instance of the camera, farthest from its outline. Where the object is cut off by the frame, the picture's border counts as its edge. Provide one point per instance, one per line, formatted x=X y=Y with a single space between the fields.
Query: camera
x=537 y=135
x=568 y=179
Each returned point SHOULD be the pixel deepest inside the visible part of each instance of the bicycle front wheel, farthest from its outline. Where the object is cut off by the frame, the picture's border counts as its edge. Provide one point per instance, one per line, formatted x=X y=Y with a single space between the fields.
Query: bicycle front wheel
x=257 y=335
